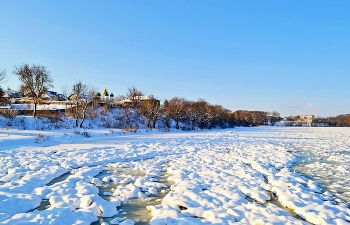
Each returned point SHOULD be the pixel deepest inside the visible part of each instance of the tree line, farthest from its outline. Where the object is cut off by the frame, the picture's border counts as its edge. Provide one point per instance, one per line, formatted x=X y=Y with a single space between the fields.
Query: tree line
x=333 y=121
x=87 y=103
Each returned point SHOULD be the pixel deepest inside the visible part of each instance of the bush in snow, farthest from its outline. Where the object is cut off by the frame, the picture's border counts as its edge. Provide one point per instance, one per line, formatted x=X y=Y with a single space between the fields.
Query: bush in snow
x=86 y=134
x=40 y=138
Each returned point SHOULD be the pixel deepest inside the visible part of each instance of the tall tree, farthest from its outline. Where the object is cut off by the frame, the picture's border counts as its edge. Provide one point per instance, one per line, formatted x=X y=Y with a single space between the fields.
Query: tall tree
x=129 y=110
x=165 y=115
x=191 y=113
x=2 y=92
x=274 y=117
x=202 y=113
x=217 y=116
x=177 y=109
x=88 y=103
x=78 y=90
x=150 y=110
x=35 y=81
x=134 y=95
x=83 y=96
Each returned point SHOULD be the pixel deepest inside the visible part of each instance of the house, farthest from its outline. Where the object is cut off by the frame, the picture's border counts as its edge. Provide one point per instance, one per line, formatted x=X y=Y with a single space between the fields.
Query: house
x=7 y=94
x=47 y=96
x=141 y=98
x=74 y=97
x=12 y=94
x=53 y=96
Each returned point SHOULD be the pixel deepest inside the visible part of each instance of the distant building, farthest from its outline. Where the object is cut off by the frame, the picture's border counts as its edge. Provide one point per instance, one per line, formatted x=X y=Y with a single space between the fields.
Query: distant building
x=306 y=119
x=105 y=93
x=141 y=98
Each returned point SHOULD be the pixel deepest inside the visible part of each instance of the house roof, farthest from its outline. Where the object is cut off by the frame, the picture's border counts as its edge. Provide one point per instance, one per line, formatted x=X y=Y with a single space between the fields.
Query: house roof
x=11 y=94
x=81 y=96
x=145 y=97
x=53 y=94
x=127 y=100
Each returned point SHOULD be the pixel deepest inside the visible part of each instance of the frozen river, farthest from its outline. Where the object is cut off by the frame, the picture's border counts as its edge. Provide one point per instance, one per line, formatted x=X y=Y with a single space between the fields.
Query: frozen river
x=257 y=175
x=327 y=161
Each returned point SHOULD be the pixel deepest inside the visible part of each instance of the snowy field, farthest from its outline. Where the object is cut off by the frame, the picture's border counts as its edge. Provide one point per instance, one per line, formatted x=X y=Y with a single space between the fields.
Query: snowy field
x=264 y=175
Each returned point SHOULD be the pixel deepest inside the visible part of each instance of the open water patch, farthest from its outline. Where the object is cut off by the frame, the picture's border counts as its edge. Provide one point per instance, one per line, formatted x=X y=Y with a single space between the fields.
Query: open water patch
x=330 y=169
x=132 y=208
x=274 y=201
x=45 y=203
x=59 y=179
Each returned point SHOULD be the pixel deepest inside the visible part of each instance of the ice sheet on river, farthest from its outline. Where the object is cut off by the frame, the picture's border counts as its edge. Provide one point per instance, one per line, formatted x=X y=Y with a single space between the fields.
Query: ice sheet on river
x=220 y=177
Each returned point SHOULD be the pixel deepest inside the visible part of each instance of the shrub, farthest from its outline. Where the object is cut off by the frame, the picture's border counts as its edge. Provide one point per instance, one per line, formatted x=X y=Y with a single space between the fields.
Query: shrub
x=40 y=138
x=136 y=128
x=126 y=129
x=86 y=134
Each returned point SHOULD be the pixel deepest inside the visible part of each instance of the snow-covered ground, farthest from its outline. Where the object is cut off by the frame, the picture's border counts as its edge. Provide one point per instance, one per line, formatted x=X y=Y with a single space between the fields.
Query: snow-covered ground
x=236 y=176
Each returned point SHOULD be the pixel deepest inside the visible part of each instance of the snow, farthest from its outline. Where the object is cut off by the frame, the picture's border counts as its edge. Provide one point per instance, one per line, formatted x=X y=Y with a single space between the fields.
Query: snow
x=219 y=176
x=40 y=107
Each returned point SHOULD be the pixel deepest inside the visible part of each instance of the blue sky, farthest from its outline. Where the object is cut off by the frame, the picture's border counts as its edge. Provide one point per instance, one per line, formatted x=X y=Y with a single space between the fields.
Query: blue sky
x=254 y=55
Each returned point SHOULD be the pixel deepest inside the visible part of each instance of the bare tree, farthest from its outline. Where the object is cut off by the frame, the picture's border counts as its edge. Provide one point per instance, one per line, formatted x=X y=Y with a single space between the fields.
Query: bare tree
x=191 y=113
x=177 y=110
x=217 y=116
x=258 y=118
x=197 y=113
x=150 y=110
x=35 y=81
x=202 y=113
x=2 y=92
x=130 y=109
x=230 y=119
x=251 y=118
x=274 y=117
x=78 y=90
x=165 y=114
x=127 y=115
x=65 y=92
x=156 y=113
x=134 y=95
x=88 y=103
x=82 y=98
x=243 y=117
x=2 y=75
